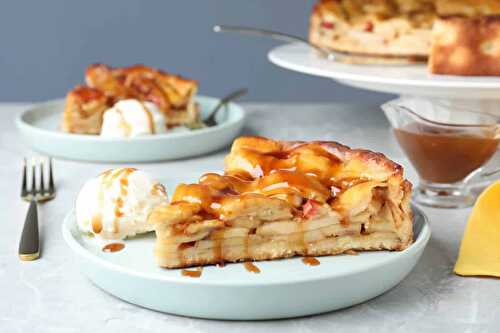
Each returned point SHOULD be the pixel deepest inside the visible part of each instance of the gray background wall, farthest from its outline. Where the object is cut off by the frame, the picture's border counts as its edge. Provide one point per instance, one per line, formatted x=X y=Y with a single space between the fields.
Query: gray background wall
x=45 y=46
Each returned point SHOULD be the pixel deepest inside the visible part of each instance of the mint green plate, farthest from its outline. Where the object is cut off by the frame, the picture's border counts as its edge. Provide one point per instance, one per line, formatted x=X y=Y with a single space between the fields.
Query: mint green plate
x=283 y=289
x=39 y=127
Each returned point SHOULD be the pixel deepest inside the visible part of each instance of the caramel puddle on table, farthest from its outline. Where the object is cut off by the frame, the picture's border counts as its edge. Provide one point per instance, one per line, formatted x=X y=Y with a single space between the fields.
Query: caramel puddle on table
x=249 y=266
x=311 y=261
x=192 y=273
x=113 y=247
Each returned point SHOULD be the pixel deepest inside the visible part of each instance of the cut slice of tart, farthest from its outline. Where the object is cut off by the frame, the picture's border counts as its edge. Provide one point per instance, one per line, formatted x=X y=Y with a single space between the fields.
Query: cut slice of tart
x=280 y=199
x=382 y=28
x=83 y=111
x=466 y=40
x=173 y=94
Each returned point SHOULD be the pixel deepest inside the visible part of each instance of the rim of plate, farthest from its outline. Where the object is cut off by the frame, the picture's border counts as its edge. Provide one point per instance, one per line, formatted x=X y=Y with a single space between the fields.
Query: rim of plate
x=419 y=243
x=440 y=81
x=239 y=117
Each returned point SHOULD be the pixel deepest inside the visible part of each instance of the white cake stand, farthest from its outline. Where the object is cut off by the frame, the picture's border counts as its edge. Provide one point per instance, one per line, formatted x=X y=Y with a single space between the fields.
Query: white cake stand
x=481 y=94
x=395 y=79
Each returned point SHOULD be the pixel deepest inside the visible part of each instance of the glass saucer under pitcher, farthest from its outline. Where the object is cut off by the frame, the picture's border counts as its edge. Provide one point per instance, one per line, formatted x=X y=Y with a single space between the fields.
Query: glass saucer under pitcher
x=448 y=147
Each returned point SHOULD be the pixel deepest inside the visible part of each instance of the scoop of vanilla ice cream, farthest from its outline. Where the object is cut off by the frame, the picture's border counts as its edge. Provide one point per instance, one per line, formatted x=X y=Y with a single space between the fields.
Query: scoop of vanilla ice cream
x=130 y=118
x=117 y=203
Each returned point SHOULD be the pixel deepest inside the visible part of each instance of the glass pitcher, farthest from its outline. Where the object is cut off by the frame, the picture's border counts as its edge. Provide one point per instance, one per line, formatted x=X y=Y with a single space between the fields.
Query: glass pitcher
x=447 y=147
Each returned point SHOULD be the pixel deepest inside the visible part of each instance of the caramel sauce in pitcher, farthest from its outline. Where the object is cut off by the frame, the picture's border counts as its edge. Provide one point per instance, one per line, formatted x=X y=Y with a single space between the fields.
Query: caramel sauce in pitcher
x=442 y=156
x=311 y=261
x=250 y=267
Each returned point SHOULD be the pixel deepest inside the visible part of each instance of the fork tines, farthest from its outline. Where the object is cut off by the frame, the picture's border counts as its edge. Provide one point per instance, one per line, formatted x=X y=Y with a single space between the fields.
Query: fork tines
x=43 y=190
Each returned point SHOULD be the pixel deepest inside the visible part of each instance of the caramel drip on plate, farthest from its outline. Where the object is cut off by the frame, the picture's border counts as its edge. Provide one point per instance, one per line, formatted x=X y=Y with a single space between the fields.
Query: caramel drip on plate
x=113 y=247
x=192 y=273
x=311 y=261
x=249 y=266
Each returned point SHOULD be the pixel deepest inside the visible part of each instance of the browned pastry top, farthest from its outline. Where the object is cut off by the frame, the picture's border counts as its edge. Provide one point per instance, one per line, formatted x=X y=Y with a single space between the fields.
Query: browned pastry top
x=287 y=176
x=355 y=10
x=87 y=94
x=351 y=9
x=169 y=92
x=469 y=8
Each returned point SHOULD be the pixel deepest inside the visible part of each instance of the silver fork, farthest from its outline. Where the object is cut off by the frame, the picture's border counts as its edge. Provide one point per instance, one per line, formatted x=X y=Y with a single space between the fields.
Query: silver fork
x=29 y=246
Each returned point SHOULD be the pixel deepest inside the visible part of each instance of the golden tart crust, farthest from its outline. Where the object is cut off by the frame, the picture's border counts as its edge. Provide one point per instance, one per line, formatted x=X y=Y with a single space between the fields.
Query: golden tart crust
x=461 y=37
x=384 y=28
x=279 y=199
x=83 y=111
x=466 y=46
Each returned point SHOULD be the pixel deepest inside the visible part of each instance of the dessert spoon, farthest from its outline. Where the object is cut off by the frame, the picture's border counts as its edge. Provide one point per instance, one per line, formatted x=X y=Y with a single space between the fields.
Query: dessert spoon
x=275 y=35
x=210 y=121
x=366 y=59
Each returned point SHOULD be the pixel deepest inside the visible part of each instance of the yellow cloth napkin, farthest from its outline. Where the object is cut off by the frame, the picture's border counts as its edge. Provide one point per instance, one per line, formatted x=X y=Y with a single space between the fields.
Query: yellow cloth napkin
x=480 y=248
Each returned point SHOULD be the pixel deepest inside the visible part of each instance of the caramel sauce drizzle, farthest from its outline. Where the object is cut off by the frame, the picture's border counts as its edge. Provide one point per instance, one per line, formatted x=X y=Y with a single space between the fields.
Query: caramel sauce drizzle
x=97 y=224
x=187 y=245
x=108 y=177
x=192 y=273
x=250 y=266
x=311 y=261
x=304 y=170
x=158 y=189
x=127 y=127
x=113 y=247
x=149 y=115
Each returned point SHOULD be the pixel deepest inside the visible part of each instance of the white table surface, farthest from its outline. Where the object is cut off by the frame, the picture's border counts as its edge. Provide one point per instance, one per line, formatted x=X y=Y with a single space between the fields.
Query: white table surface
x=50 y=295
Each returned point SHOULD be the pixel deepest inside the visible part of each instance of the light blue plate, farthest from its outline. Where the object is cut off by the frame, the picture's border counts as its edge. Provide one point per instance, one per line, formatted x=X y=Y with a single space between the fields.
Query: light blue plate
x=284 y=288
x=39 y=127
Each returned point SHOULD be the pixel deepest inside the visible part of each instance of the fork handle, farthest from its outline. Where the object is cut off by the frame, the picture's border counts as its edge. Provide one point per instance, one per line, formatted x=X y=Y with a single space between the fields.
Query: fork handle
x=29 y=247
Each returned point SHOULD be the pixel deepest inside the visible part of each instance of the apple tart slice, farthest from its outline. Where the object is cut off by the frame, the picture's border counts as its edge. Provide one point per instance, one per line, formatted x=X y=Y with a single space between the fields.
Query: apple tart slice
x=83 y=111
x=281 y=199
